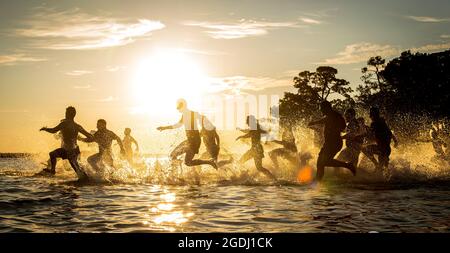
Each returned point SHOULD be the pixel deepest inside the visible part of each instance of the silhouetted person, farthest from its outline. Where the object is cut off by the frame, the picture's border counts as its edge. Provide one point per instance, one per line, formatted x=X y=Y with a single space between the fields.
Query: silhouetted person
x=334 y=124
x=256 y=151
x=383 y=136
x=69 y=150
x=353 y=138
x=191 y=145
x=288 y=151
x=104 y=138
x=127 y=142
x=211 y=140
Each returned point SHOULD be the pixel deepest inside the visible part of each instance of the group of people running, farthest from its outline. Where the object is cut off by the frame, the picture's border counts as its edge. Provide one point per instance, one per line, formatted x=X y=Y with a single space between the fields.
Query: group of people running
x=199 y=128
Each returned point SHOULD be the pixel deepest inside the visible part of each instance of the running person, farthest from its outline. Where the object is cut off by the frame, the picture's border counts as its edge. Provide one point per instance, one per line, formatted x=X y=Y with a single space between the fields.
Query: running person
x=69 y=150
x=383 y=136
x=127 y=142
x=212 y=141
x=334 y=125
x=288 y=151
x=256 y=151
x=353 y=138
x=104 y=138
x=191 y=145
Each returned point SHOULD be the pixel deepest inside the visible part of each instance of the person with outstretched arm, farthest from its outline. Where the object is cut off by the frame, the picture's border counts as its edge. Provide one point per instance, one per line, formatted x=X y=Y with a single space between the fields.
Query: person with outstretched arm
x=69 y=150
x=191 y=146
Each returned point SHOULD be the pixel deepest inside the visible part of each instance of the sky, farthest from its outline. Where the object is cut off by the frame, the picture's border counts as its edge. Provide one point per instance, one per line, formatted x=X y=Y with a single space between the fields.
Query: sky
x=126 y=61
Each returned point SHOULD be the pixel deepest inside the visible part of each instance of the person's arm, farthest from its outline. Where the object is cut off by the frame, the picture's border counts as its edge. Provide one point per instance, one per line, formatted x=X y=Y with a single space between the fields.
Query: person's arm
x=119 y=141
x=85 y=133
x=53 y=130
x=278 y=142
x=177 y=125
x=317 y=122
x=247 y=135
x=135 y=143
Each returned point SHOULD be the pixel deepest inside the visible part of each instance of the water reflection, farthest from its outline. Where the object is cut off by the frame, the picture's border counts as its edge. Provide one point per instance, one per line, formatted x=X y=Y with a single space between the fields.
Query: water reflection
x=168 y=214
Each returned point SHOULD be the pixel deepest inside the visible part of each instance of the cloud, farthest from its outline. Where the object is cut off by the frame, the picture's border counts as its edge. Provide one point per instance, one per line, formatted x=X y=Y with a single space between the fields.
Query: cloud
x=240 y=29
x=13 y=59
x=82 y=87
x=75 y=30
x=201 y=52
x=78 y=72
x=432 y=47
x=311 y=21
x=361 y=52
x=115 y=68
x=445 y=36
x=425 y=19
x=235 y=84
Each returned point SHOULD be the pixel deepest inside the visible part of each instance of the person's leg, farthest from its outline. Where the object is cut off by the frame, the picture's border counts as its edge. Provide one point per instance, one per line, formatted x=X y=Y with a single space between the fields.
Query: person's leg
x=321 y=164
x=369 y=152
x=108 y=159
x=274 y=154
x=179 y=150
x=77 y=168
x=93 y=161
x=190 y=161
x=246 y=156
x=57 y=153
x=260 y=168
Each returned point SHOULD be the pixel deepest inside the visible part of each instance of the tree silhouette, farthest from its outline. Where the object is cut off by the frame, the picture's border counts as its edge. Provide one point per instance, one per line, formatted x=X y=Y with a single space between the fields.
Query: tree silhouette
x=314 y=87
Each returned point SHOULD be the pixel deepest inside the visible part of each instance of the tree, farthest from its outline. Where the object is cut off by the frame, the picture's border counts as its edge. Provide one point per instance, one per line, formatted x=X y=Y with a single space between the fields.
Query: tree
x=313 y=88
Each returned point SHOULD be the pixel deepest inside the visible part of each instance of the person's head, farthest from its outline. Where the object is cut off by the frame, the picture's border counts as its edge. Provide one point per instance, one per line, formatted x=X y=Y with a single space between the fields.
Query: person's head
x=251 y=122
x=350 y=114
x=181 y=104
x=127 y=131
x=101 y=124
x=70 y=112
x=374 y=113
x=325 y=107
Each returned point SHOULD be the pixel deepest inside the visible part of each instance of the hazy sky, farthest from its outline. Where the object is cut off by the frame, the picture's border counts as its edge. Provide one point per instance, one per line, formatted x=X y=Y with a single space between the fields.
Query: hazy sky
x=87 y=53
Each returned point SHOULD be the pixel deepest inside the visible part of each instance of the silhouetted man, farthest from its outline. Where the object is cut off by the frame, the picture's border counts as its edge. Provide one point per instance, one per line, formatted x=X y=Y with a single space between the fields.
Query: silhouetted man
x=69 y=150
x=104 y=138
x=334 y=125
x=383 y=136
x=256 y=151
x=127 y=142
x=191 y=145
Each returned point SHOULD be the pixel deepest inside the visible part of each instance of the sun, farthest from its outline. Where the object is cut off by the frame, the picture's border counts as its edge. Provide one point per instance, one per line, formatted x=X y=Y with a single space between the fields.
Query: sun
x=165 y=76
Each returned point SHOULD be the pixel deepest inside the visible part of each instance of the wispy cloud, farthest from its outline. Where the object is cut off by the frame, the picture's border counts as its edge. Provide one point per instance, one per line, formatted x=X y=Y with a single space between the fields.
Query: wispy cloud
x=75 y=30
x=201 y=52
x=235 y=84
x=311 y=21
x=361 y=52
x=78 y=72
x=445 y=36
x=240 y=29
x=115 y=68
x=432 y=47
x=13 y=59
x=426 y=19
